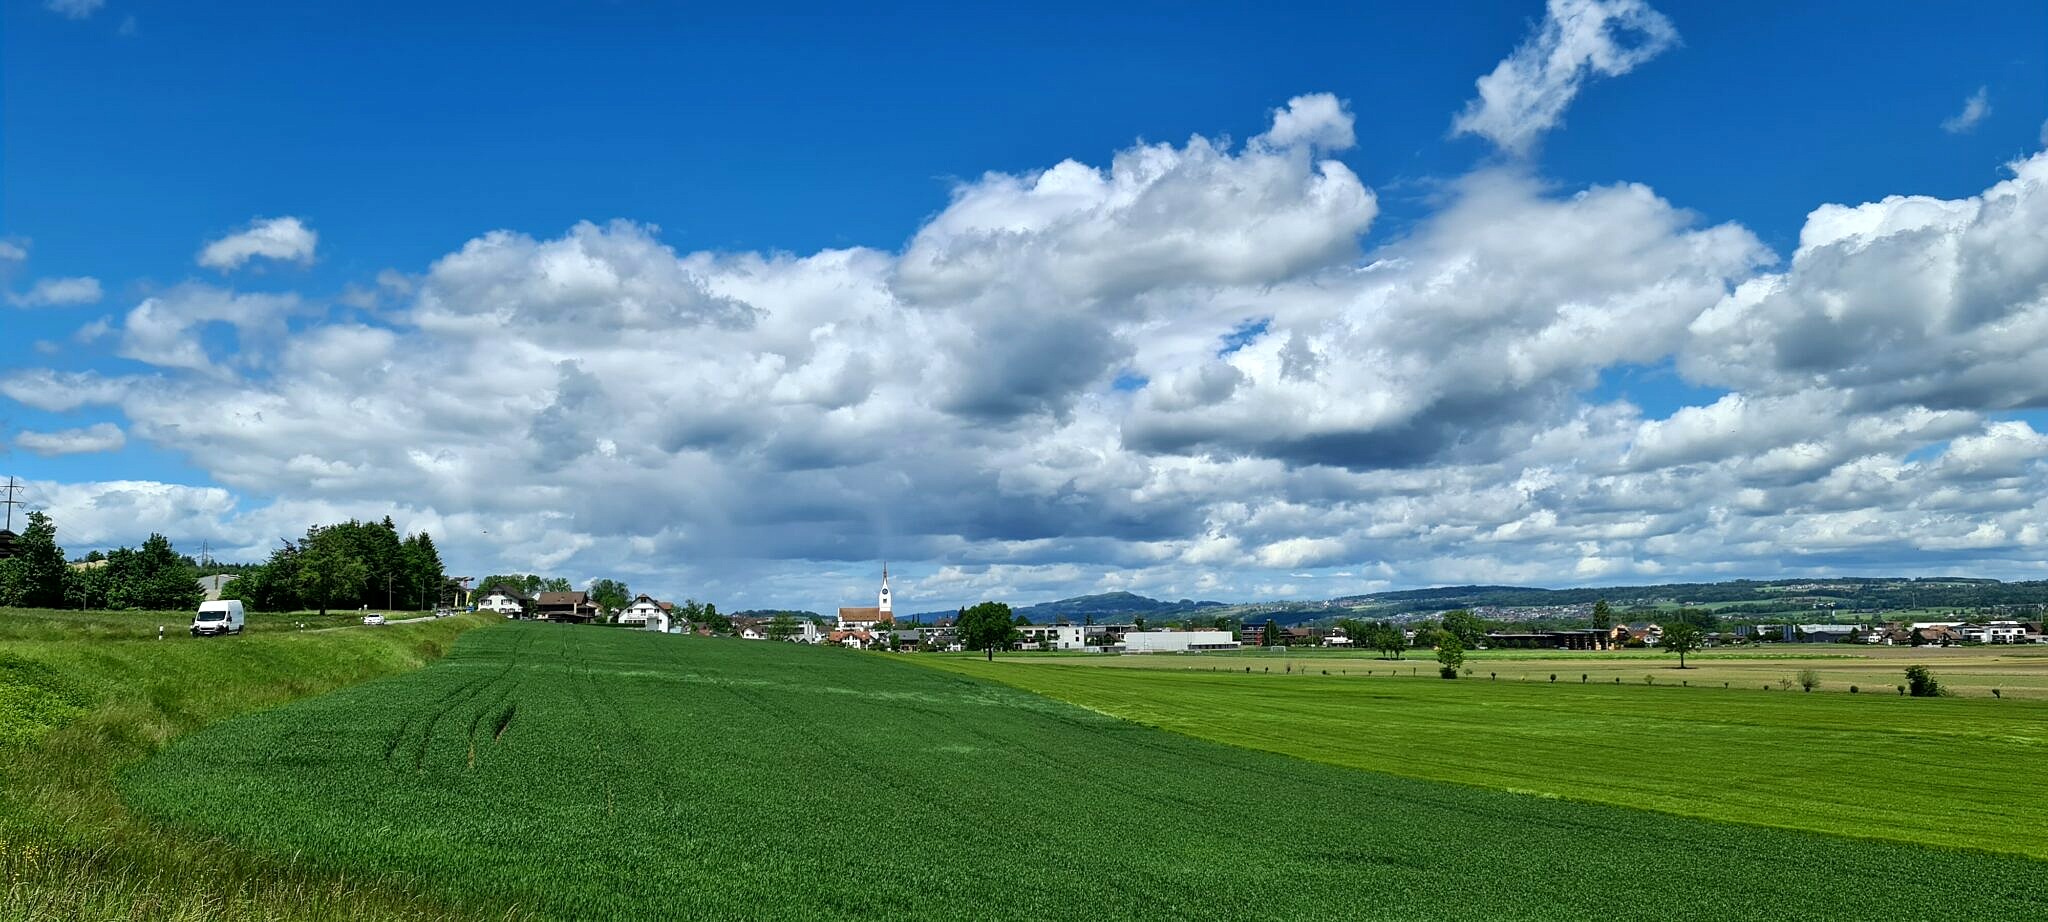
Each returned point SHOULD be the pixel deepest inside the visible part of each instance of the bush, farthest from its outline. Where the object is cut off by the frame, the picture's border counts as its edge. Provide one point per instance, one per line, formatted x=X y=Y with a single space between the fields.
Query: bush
x=1920 y=683
x=1853 y=689
x=1447 y=672
x=1809 y=679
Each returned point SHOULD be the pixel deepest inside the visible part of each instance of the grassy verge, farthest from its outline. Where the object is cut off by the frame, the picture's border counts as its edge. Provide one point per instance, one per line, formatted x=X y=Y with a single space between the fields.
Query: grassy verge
x=56 y=624
x=1860 y=765
x=76 y=708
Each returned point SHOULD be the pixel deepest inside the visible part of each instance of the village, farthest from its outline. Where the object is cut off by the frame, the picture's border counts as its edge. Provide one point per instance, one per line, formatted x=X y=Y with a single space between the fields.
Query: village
x=877 y=627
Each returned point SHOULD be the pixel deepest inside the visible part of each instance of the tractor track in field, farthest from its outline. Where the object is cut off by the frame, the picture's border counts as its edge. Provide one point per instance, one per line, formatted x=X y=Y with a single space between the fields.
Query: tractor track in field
x=415 y=733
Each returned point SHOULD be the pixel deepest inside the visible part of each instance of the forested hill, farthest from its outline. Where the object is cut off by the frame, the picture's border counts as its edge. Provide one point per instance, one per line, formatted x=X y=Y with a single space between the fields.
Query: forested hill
x=1845 y=592
x=1840 y=594
x=1107 y=606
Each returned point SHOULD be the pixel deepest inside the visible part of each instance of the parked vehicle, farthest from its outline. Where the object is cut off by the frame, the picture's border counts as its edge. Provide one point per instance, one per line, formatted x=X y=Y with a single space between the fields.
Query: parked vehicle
x=373 y=619
x=215 y=618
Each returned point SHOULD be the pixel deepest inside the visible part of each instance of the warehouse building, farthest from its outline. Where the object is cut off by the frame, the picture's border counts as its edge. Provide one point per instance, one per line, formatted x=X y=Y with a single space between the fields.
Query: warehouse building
x=1177 y=641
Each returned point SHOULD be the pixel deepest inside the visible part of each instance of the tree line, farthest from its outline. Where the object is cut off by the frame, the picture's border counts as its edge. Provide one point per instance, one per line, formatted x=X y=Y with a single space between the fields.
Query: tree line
x=153 y=577
x=347 y=565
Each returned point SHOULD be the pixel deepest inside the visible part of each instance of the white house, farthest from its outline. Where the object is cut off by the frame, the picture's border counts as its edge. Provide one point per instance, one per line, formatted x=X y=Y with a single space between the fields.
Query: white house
x=504 y=601
x=1177 y=641
x=1055 y=636
x=1995 y=632
x=643 y=607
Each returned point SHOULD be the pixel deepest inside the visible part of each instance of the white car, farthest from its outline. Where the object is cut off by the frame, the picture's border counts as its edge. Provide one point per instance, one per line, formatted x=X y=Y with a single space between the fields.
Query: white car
x=373 y=619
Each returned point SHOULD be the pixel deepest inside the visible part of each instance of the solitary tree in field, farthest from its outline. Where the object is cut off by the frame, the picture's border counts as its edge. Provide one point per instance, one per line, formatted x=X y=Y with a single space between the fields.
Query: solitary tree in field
x=1450 y=654
x=1682 y=637
x=985 y=627
x=1922 y=682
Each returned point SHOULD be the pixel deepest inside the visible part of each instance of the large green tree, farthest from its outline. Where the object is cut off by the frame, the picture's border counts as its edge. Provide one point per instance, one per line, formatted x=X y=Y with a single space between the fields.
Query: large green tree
x=329 y=570
x=610 y=594
x=421 y=565
x=1682 y=637
x=1388 y=638
x=36 y=577
x=1469 y=629
x=1603 y=616
x=153 y=577
x=1450 y=655
x=986 y=626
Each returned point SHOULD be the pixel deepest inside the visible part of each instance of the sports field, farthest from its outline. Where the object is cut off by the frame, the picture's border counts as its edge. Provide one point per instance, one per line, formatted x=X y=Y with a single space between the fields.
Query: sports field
x=1839 y=763
x=585 y=773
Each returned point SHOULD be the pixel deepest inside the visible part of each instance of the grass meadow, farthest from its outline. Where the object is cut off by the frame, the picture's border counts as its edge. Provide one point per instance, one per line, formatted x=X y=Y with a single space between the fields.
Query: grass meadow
x=564 y=772
x=2017 y=671
x=83 y=696
x=1956 y=772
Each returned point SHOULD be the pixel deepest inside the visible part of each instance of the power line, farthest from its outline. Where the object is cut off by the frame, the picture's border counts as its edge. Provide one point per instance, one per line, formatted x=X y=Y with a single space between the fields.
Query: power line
x=13 y=486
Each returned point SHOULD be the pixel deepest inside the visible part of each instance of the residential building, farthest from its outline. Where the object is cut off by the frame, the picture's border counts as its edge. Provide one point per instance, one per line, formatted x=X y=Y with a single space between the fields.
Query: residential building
x=1936 y=635
x=568 y=607
x=1177 y=641
x=640 y=609
x=1994 y=632
x=503 y=600
x=1055 y=636
x=859 y=639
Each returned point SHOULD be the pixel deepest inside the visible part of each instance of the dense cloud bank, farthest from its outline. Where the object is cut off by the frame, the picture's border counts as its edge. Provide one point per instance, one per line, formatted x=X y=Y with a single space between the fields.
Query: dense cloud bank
x=1191 y=371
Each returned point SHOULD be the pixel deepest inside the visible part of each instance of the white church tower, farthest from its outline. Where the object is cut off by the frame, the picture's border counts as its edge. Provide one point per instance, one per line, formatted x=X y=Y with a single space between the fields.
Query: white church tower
x=884 y=604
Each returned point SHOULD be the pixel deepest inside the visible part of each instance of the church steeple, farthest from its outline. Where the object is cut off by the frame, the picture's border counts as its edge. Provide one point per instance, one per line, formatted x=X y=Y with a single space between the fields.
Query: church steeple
x=884 y=606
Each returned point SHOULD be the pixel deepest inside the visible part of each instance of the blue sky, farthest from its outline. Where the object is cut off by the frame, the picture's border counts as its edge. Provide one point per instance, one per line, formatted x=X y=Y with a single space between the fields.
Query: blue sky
x=133 y=133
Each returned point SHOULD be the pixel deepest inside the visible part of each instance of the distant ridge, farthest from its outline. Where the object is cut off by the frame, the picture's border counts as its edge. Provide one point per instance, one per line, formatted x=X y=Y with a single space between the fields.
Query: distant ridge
x=1099 y=607
x=1843 y=593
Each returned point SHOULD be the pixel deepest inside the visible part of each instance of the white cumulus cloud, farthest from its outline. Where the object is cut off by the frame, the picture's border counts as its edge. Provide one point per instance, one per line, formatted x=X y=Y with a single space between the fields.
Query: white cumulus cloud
x=284 y=239
x=59 y=291
x=94 y=438
x=1975 y=109
x=1527 y=94
x=74 y=9
x=1184 y=370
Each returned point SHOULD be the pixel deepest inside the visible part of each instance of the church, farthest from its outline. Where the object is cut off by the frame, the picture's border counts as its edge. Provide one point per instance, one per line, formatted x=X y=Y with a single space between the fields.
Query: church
x=866 y=619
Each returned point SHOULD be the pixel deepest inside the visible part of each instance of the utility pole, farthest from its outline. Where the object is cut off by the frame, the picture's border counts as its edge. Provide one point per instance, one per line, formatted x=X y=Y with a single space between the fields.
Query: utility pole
x=13 y=487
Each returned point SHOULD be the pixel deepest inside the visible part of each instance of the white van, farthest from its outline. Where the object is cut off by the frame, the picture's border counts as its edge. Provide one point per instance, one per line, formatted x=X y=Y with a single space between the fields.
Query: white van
x=223 y=617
